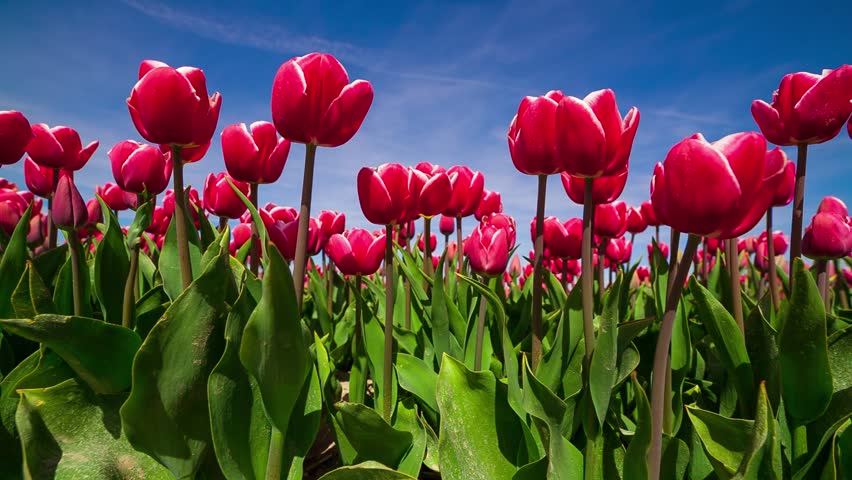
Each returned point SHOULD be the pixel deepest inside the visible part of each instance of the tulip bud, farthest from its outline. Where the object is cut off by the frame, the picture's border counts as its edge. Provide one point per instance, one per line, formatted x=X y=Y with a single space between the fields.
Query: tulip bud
x=170 y=106
x=777 y=160
x=330 y=223
x=59 y=147
x=220 y=199
x=635 y=221
x=830 y=233
x=561 y=240
x=69 y=211
x=242 y=234
x=611 y=219
x=431 y=188
x=313 y=101
x=447 y=225
x=833 y=205
x=619 y=250
x=139 y=168
x=648 y=213
x=433 y=243
x=15 y=135
x=256 y=156
x=664 y=249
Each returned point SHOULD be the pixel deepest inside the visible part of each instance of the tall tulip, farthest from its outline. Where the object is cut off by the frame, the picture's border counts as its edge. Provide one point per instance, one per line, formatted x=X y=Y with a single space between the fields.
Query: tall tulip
x=776 y=159
x=806 y=109
x=434 y=191
x=170 y=106
x=15 y=135
x=71 y=214
x=563 y=241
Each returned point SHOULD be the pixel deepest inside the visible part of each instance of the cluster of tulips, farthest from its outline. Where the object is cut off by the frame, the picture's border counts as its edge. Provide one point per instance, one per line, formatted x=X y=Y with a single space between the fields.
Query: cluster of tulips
x=217 y=350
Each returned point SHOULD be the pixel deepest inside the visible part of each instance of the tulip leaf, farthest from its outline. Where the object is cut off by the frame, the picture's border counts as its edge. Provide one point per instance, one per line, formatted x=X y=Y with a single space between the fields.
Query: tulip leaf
x=100 y=353
x=635 y=459
x=169 y=262
x=68 y=431
x=112 y=265
x=729 y=342
x=32 y=297
x=417 y=377
x=366 y=471
x=407 y=420
x=725 y=440
x=161 y=417
x=49 y=262
x=273 y=349
x=255 y=218
x=371 y=436
x=374 y=346
x=479 y=431
x=63 y=293
x=439 y=315
x=10 y=445
x=13 y=263
x=568 y=334
x=603 y=370
x=806 y=383
x=659 y=277
x=149 y=309
x=141 y=221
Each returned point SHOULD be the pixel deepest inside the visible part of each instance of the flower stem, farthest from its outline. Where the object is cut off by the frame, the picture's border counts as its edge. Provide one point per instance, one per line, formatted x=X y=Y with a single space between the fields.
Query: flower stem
x=841 y=286
x=459 y=249
x=734 y=271
x=673 y=247
x=537 y=271
x=770 y=246
x=388 y=358
x=564 y=278
x=128 y=311
x=427 y=248
x=480 y=332
x=705 y=262
x=223 y=224
x=76 y=271
x=798 y=204
x=275 y=455
x=180 y=218
x=304 y=220
x=407 y=292
x=51 y=227
x=254 y=253
x=822 y=281
x=586 y=274
x=329 y=273
x=661 y=359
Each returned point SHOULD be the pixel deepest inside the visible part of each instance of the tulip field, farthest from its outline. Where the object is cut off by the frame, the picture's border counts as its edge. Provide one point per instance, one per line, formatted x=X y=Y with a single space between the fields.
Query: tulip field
x=214 y=337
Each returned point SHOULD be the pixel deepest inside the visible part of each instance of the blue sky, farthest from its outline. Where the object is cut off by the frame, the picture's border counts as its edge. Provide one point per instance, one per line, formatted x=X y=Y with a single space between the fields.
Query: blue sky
x=448 y=77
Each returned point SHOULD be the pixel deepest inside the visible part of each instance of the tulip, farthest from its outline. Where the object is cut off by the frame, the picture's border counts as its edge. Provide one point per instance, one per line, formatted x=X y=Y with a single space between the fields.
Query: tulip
x=806 y=109
x=604 y=189
x=405 y=232
x=15 y=135
x=39 y=179
x=533 y=135
x=618 y=250
x=447 y=225
x=489 y=250
x=643 y=274
x=776 y=160
x=5 y=184
x=282 y=235
x=635 y=221
x=331 y=223
x=384 y=193
x=664 y=249
x=241 y=234
x=833 y=205
x=13 y=205
x=169 y=202
x=59 y=147
x=220 y=199
x=433 y=242
x=285 y=214
x=432 y=189
x=256 y=155
x=139 y=168
x=159 y=222
x=94 y=213
x=115 y=198
x=356 y=251
x=828 y=236
x=611 y=219
x=38 y=230
x=561 y=240
x=489 y=204
x=69 y=214
x=467 y=187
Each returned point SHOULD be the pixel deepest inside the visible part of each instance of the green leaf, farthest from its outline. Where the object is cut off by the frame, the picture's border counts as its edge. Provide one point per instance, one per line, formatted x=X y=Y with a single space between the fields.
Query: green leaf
x=10 y=445
x=479 y=431
x=374 y=347
x=100 y=353
x=417 y=377
x=149 y=309
x=32 y=297
x=13 y=263
x=763 y=350
x=371 y=436
x=725 y=440
x=112 y=265
x=636 y=458
x=169 y=262
x=49 y=262
x=67 y=431
x=141 y=221
x=603 y=369
x=439 y=314
x=161 y=417
x=63 y=293
x=366 y=471
x=273 y=349
x=729 y=342
x=568 y=334
x=806 y=383
x=408 y=421
x=659 y=277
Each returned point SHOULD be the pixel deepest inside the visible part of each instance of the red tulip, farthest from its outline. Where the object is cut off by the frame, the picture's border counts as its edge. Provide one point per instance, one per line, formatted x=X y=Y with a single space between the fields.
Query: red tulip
x=330 y=223
x=356 y=251
x=384 y=193
x=745 y=244
x=533 y=135
x=59 y=147
x=604 y=189
x=488 y=249
x=283 y=235
x=39 y=179
x=242 y=233
x=505 y=222
x=643 y=274
x=256 y=156
x=635 y=220
x=313 y=101
x=593 y=140
x=561 y=240
x=5 y=184
x=69 y=210
x=713 y=245
x=828 y=236
x=779 y=241
x=777 y=160
x=38 y=230
x=160 y=221
x=807 y=108
x=490 y=203
x=715 y=190
x=664 y=249
x=467 y=187
x=170 y=106
x=15 y=135
x=433 y=243
x=220 y=199
x=115 y=198
x=611 y=219
x=405 y=232
x=447 y=225
x=833 y=205
x=94 y=214
x=431 y=187
x=452 y=248
x=12 y=207
x=192 y=206
x=139 y=168
x=619 y=250
x=648 y=213
x=284 y=214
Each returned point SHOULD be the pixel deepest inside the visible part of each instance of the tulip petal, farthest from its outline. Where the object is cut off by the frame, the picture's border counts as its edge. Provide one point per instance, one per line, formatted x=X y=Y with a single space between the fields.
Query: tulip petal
x=290 y=103
x=345 y=114
x=44 y=148
x=622 y=154
x=374 y=198
x=240 y=152
x=823 y=109
x=581 y=142
x=769 y=122
x=603 y=104
x=532 y=137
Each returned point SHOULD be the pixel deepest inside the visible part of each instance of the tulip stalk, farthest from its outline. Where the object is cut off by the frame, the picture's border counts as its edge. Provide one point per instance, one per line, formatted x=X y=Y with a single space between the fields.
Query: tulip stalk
x=180 y=218
x=734 y=271
x=388 y=354
x=329 y=273
x=128 y=311
x=770 y=247
x=459 y=249
x=661 y=359
x=798 y=204
x=223 y=223
x=427 y=248
x=673 y=247
x=537 y=270
x=841 y=286
x=586 y=274
x=76 y=271
x=51 y=227
x=407 y=292
x=480 y=332
x=822 y=281
x=705 y=262
x=254 y=253
x=304 y=220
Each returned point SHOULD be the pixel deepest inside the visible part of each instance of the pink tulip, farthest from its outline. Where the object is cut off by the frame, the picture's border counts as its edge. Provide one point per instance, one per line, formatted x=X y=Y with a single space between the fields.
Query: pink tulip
x=256 y=155
x=533 y=135
x=220 y=199
x=15 y=135
x=611 y=219
x=635 y=220
x=115 y=198
x=447 y=225
x=139 y=168
x=467 y=187
x=489 y=204
x=604 y=189
x=356 y=251
x=69 y=210
x=59 y=147
x=430 y=185
x=488 y=249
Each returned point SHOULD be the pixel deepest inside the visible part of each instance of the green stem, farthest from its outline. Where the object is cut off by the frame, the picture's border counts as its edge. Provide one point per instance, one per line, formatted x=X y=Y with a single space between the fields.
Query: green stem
x=674 y=244
x=480 y=333
x=76 y=271
x=223 y=224
x=254 y=254
x=734 y=271
x=459 y=249
x=128 y=311
x=275 y=456
x=586 y=274
x=822 y=281
x=427 y=249
x=770 y=247
x=181 y=219
x=388 y=357
x=301 y=260
x=565 y=274
x=537 y=332
x=329 y=274
x=800 y=445
x=600 y=270
x=798 y=205
x=407 y=292
x=661 y=360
